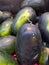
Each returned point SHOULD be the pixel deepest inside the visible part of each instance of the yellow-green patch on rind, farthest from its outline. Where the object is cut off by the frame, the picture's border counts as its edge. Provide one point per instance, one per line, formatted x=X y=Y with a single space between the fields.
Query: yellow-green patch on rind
x=6 y=59
x=43 y=57
x=5 y=28
x=47 y=25
x=5 y=33
x=22 y=19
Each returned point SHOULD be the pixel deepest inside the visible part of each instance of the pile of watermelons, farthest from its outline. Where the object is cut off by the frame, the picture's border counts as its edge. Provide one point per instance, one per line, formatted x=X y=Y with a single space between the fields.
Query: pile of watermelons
x=24 y=32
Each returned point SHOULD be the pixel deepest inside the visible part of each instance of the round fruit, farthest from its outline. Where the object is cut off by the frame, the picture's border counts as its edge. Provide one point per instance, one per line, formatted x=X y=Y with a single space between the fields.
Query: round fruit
x=44 y=26
x=5 y=28
x=7 y=43
x=29 y=44
x=24 y=15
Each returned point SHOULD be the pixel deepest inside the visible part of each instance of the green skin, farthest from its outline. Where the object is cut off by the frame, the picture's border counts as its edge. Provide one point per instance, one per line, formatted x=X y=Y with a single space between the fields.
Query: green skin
x=43 y=57
x=6 y=59
x=22 y=17
x=7 y=43
x=5 y=28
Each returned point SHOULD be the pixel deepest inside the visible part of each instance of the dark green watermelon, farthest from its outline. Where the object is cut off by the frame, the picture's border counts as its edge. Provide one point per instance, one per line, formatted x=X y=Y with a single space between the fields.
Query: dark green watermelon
x=5 y=28
x=25 y=15
x=7 y=44
x=29 y=44
x=44 y=26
